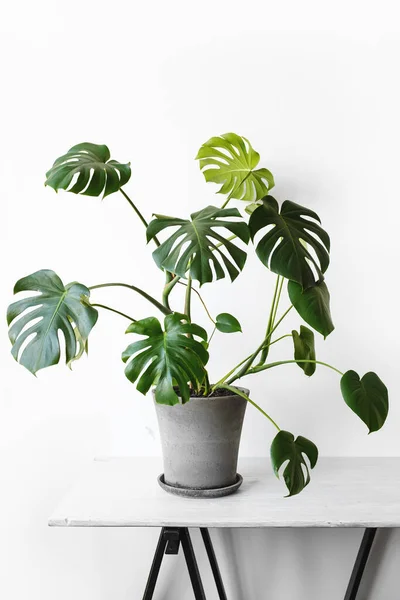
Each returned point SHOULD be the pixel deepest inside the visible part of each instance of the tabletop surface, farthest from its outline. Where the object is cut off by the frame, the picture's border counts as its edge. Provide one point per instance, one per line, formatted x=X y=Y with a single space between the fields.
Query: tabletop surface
x=344 y=492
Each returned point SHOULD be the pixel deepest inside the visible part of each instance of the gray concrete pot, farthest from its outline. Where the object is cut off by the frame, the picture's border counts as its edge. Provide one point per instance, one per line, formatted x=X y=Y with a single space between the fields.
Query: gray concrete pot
x=200 y=441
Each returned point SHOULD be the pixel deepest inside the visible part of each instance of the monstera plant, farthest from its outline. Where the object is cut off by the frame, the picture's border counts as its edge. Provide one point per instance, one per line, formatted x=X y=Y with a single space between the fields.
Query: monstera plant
x=172 y=356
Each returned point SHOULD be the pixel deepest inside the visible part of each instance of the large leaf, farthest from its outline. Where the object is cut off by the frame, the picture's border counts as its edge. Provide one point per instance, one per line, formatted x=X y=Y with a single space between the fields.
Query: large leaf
x=304 y=349
x=296 y=473
x=96 y=172
x=313 y=306
x=196 y=244
x=166 y=358
x=285 y=247
x=56 y=308
x=367 y=397
x=230 y=160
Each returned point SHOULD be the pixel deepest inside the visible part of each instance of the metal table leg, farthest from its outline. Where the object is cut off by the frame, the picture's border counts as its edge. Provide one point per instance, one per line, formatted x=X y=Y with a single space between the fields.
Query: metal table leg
x=205 y=534
x=168 y=543
x=361 y=561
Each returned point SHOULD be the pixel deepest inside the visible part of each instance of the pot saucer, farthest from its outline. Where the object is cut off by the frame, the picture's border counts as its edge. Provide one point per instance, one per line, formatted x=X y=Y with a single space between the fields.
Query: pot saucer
x=200 y=493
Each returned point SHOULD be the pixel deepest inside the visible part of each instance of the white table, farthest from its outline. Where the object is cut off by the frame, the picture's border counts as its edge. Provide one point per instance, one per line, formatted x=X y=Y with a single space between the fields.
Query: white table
x=344 y=492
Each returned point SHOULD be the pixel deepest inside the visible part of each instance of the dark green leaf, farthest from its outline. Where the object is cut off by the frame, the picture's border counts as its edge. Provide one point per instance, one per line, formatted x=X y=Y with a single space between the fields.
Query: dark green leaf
x=227 y=323
x=230 y=160
x=296 y=473
x=284 y=248
x=304 y=349
x=367 y=397
x=196 y=244
x=96 y=173
x=313 y=306
x=57 y=308
x=166 y=358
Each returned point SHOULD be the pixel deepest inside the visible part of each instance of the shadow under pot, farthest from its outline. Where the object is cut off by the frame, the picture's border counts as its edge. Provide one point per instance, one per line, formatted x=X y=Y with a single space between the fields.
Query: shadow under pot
x=200 y=445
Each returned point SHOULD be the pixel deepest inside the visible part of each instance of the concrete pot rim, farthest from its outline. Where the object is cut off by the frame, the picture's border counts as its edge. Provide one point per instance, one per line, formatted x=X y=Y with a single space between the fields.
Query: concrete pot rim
x=204 y=399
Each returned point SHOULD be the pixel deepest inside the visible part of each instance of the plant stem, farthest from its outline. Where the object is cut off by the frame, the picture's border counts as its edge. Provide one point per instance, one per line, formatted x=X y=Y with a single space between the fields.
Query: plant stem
x=169 y=285
x=243 y=395
x=163 y=309
x=280 y=338
x=272 y=316
x=188 y=297
x=252 y=358
x=211 y=336
x=137 y=211
x=201 y=300
x=259 y=368
x=118 y=312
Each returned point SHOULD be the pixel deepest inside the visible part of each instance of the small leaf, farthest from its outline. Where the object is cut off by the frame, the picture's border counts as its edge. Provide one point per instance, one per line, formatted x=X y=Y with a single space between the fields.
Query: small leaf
x=296 y=473
x=96 y=173
x=197 y=244
x=166 y=358
x=282 y=248
x=56 y=308
x=304 y=349
x=227 y=323
x=367 y=397
x=230 y=160
x=313 y=306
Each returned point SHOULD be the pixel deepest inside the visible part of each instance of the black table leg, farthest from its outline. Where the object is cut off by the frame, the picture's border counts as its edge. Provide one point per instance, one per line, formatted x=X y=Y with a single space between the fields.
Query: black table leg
x=168 y=543
x=361 y=561
x=192 y=564
x=155 y=567
x=205 y=534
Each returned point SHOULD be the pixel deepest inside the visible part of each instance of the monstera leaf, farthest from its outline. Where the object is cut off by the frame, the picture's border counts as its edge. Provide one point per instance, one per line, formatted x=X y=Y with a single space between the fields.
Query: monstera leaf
x=285 y=448
x=304 y=349
x=284 y=248
x=196 y=244
x=313 y=306
x=96 y=172
x=231 y=160
x=227 y=323
x=166 y=358
x=56 y=308
x=367 y=397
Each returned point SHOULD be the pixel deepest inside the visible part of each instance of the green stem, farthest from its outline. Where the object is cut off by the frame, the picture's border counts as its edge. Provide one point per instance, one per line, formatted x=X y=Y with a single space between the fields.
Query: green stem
x=139 y=214
x=252 y=358
x=169 y=285
x=272 y=316
x=211 y=336
x=118 y=312
x=201 y=300
x=188 y=297
x=259 y=368
x=163 y=309
x=246 y=359
x=237 y=392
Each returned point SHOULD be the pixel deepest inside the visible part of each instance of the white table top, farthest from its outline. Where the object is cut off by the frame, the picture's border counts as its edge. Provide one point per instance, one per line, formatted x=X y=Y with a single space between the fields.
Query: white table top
x=344 y=492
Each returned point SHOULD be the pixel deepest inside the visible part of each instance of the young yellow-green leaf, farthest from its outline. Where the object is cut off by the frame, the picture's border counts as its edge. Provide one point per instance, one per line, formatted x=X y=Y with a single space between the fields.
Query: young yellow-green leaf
x=304 y=349
x=367 y=397
x=285 y=448
x=95 y=172
x=166 y=359
x=230 y=160
x=227 y=323
x=197 y=243
x=313 y=306
x=56 y=308
x=282 y=248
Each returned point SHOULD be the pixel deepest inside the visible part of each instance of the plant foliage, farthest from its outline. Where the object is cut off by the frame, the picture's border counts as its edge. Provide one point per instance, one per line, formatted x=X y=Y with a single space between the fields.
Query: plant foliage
x=95 y=172
x=230 y=160
x=296 y=473
x=166 y=359
x=197 y=244
x=55 y=308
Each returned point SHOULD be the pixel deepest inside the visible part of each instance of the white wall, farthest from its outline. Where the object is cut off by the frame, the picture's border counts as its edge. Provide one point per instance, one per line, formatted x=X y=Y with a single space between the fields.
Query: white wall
x=315 y=87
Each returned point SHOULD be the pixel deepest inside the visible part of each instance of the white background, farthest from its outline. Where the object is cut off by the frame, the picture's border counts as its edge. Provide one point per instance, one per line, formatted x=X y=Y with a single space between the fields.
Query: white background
x=315 y=87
